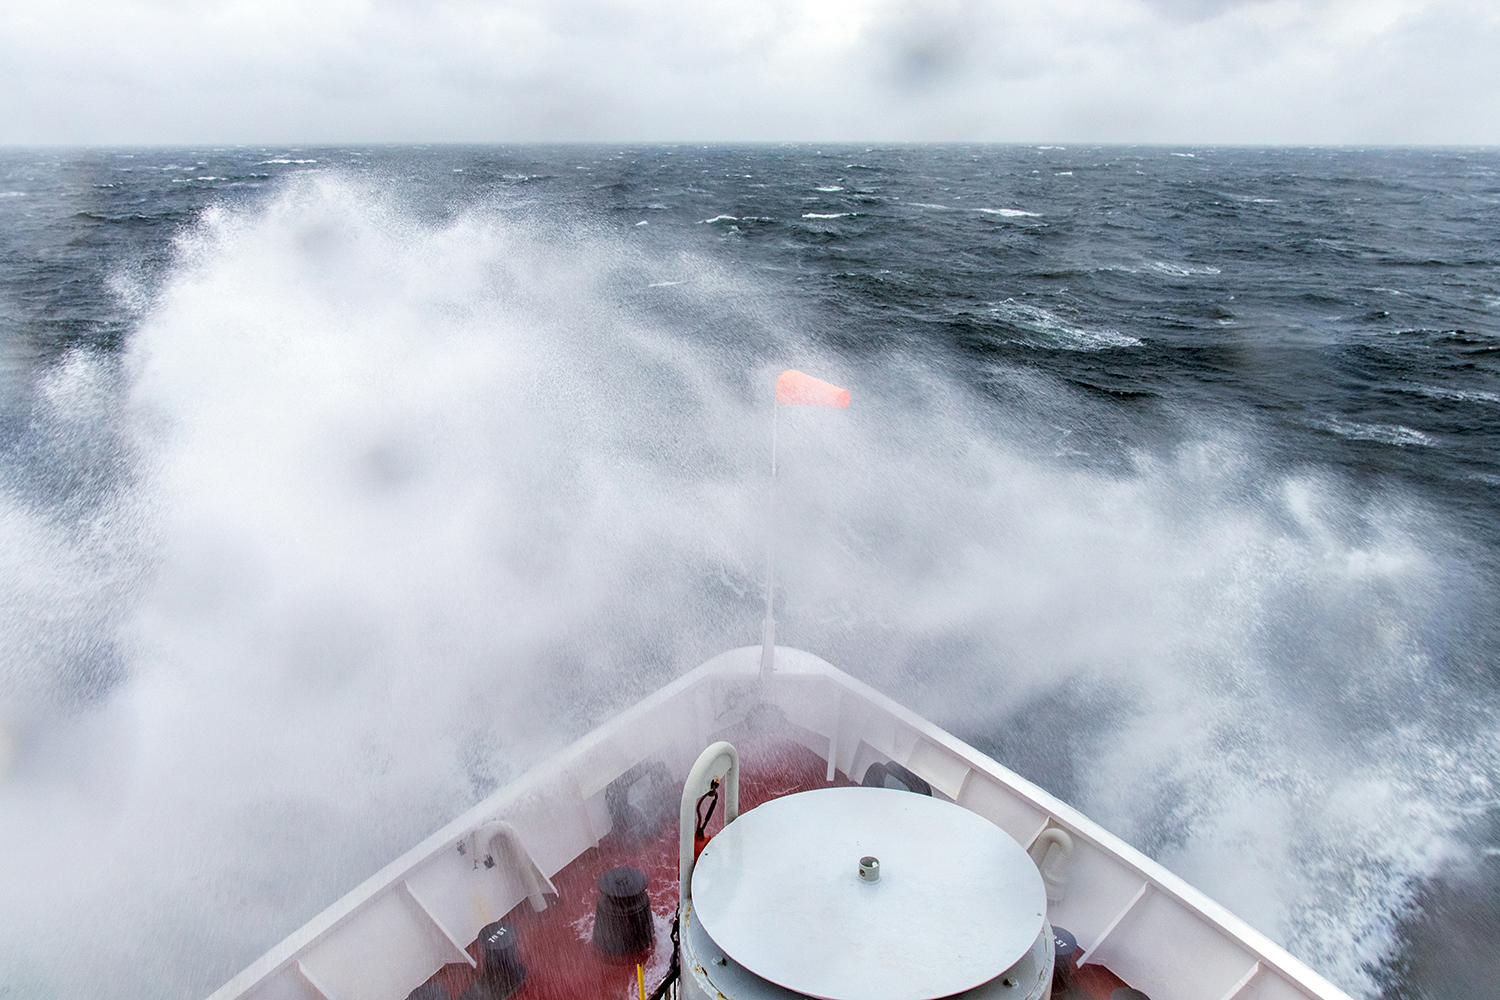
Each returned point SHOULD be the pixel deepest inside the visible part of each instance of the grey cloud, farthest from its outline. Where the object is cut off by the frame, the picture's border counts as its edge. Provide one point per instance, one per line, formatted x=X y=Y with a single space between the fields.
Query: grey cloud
x=927 y=42
x=1198 y=10
x=117 y=71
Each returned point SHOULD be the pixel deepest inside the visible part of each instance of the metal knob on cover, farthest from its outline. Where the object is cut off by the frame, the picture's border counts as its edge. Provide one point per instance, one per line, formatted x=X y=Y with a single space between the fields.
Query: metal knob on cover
x=622 y=916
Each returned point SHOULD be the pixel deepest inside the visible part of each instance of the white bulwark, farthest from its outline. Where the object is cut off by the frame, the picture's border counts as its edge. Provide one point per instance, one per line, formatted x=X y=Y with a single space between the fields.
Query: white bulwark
x=1129 y=914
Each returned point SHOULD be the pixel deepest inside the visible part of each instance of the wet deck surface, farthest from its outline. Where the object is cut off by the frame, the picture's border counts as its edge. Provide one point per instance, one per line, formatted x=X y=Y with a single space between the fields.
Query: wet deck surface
x=556 y=945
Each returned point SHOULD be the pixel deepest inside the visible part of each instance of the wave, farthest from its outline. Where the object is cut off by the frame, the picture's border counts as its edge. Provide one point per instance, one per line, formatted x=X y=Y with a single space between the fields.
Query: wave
x=720 y=218
x=12 y=194
x=1180 y=270
x=828 y=187
x=1010 y=213
x=1461 y=395
x=280 y=160
x=1053 y=332
x=827 y=215
x=1392 y=434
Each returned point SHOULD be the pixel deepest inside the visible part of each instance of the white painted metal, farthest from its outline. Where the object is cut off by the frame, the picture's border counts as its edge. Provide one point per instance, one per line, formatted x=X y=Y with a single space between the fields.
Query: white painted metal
x=1176 y=945
x=720 y=761
x=958 y=901
x=709 y=973
x=497 y=842
x=1052 y=850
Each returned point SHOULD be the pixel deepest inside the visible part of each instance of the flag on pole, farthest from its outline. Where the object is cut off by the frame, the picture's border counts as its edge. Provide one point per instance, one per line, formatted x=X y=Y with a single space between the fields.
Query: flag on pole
x=797 y=389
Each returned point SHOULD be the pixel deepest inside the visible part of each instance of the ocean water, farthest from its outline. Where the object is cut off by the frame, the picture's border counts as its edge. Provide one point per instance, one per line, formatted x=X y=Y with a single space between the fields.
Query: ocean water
x=337 y=486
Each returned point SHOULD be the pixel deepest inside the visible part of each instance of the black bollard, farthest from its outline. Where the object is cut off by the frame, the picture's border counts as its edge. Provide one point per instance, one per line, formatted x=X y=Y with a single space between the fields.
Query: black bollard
x=622 y=916
x=501 y=970
x=1064 y=948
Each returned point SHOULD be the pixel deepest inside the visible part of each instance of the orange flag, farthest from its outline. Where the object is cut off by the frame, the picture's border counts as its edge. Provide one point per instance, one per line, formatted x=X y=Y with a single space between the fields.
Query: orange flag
x=796 y=389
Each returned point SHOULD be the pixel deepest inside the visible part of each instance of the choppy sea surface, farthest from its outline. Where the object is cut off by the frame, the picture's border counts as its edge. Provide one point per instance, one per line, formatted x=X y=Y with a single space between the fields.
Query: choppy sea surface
x=338 y=486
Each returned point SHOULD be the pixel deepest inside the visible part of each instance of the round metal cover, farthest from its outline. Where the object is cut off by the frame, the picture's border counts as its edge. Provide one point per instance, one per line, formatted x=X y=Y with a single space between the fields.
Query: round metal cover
x=957 y=902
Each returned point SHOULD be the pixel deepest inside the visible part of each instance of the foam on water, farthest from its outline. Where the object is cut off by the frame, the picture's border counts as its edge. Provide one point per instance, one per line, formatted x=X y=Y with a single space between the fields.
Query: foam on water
x=1009 y=213
x=1461 y=395
x=1179 y=270
x=1044 y=328
x=1393 y=434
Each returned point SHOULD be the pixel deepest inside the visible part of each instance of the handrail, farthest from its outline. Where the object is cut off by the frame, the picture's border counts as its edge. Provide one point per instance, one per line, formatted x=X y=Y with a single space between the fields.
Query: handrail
x=697 y=785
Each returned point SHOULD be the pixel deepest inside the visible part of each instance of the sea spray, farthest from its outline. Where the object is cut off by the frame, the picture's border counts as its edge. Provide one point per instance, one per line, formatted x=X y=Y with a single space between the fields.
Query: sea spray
x=388 y=497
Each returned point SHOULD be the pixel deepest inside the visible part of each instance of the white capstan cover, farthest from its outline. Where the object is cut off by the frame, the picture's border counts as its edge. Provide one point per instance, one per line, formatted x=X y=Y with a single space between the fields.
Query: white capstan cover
x=957 y=903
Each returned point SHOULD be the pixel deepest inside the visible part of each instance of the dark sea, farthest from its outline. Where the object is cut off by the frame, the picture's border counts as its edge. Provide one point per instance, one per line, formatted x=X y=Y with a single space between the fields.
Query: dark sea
x=340 y=485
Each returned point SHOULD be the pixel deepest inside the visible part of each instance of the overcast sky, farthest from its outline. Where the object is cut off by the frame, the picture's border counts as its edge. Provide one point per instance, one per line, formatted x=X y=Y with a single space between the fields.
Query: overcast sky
x=1188 y=71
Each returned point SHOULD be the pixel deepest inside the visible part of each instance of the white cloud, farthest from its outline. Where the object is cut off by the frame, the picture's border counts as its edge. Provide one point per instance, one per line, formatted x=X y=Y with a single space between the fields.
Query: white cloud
x=115 y=71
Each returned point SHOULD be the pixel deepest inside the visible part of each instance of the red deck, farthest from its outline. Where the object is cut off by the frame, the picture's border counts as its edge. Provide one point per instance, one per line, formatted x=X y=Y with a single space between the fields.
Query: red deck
x=556 y=944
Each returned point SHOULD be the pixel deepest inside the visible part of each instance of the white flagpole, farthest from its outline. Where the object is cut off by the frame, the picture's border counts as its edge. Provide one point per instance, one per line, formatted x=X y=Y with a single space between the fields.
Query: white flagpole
x=768 y=627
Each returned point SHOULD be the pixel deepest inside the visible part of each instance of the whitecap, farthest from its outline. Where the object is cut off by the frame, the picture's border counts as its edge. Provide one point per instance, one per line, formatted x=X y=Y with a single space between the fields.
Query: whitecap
x=1179 y=270
x=720 y=218
x=1461 y=395
x=1393 y=434
x=643 y=222
x=12 y=194
x=1063 y=173
x=828 y=187
x=1052 y=331
x=825 y=215
x=923 y=204
x=1010 y=213
x=274 y=161
x=1190 y=156
x=663 y=284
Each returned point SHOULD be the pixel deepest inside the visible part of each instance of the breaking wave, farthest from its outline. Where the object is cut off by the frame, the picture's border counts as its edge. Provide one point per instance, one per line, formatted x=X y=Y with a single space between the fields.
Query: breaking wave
x=1043 y=328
